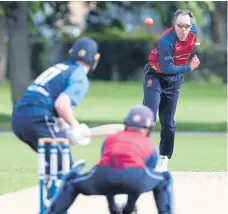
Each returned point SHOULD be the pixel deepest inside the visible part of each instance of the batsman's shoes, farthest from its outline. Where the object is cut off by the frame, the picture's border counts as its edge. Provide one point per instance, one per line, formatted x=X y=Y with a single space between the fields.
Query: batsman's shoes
x=162 y=165
x=79 y=166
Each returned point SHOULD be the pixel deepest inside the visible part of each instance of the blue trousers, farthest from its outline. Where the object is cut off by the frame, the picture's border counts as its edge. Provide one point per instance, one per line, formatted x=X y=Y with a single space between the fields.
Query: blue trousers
x=161 y=93
x=109 y=182
x=30 y=123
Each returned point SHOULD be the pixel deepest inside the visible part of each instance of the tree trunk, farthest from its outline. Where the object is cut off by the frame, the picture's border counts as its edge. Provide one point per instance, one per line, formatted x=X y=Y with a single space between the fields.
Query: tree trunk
x=219 y=23
x=19 y=51
x=3 y=49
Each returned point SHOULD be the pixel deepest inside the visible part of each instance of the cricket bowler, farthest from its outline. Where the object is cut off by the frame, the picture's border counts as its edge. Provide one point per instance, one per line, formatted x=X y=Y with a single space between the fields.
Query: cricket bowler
x=51 y=96
x=164 y=75
x=127 y=166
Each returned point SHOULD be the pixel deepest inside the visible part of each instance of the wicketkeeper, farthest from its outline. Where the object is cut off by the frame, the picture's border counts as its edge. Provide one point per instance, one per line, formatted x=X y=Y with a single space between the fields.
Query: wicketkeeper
x=127 y=166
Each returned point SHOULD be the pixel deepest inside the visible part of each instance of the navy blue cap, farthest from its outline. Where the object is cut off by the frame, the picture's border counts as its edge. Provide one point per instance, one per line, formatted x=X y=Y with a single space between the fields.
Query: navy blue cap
x=86 y=50
x=140 y=116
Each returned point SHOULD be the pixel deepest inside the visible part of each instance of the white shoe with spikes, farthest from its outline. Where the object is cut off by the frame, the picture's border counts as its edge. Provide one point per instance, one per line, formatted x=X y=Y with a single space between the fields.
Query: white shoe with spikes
x=162 y=165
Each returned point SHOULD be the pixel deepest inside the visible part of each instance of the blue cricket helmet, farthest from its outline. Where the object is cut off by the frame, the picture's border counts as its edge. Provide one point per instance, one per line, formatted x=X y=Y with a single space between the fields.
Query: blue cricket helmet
x=86 y=50
x=140 y=116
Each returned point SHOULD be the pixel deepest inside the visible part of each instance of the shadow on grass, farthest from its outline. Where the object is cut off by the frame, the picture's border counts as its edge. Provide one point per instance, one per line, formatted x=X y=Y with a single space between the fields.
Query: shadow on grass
x=181 y=126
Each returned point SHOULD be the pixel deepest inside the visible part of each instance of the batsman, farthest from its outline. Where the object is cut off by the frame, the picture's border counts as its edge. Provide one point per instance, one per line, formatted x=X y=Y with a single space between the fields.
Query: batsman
x=127 y=166
x=164 y=75
x=51 y=96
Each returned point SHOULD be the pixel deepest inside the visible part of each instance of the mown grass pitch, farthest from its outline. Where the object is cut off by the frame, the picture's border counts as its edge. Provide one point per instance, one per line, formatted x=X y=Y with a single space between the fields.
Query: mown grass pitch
x=18 y=163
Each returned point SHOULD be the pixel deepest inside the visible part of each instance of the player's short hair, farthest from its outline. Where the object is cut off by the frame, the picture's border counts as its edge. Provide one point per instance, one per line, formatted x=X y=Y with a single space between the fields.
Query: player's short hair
x=184 y=12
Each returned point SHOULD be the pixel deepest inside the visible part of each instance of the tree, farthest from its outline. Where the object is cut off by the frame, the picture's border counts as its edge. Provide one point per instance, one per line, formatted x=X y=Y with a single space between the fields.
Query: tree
x=219 y=23
x=18 y=47
x=18 y=17
x=3 y=48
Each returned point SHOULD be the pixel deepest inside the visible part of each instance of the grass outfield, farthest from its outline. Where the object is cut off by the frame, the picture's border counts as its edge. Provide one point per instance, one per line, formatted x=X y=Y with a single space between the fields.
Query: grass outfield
x=201 y=107
x=18 y=163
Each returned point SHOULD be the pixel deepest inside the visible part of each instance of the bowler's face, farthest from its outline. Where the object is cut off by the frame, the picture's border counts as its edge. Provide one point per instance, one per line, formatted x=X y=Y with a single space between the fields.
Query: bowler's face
x=182 y=26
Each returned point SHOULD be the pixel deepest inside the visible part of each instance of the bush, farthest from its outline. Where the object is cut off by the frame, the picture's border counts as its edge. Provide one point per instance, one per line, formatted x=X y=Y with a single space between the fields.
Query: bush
x=116 y=35
x=123 y=55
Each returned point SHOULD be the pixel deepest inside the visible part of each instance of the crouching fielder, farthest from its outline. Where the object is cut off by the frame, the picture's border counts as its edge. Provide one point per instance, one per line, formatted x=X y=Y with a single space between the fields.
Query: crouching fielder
x=127 y=166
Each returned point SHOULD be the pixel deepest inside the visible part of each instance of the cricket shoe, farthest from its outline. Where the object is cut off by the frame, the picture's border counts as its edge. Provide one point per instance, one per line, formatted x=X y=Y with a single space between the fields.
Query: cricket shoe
x=162 y=165
x=79 y=166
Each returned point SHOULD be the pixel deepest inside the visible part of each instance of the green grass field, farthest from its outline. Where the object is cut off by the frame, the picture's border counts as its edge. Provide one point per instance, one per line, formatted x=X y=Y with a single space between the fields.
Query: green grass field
x=18 y=163
x=201 y=107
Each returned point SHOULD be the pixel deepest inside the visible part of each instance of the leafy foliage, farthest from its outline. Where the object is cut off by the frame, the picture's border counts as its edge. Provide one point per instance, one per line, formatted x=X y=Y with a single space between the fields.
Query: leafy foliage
x=60 y=9
x=199 y=8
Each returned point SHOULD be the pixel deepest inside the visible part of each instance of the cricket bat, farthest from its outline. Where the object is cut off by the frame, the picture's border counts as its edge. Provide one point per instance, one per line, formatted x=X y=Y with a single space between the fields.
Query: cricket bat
x=97 y=131
x=104 y=130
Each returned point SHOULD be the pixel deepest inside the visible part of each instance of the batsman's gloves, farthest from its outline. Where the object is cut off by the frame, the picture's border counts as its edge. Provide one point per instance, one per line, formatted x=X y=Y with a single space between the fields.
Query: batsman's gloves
x=85 y=133
x=76 y=133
